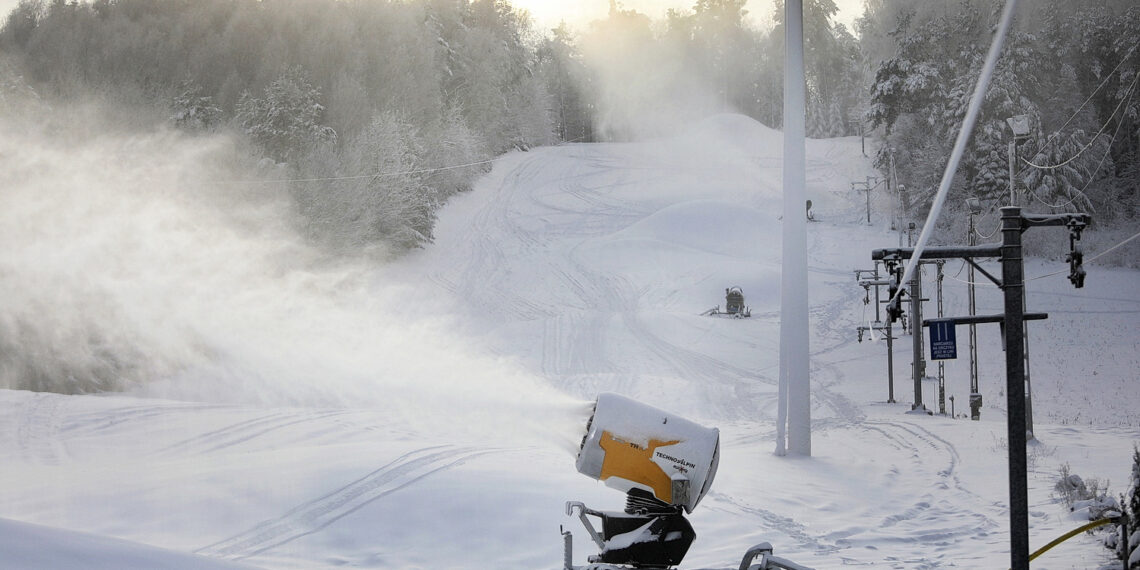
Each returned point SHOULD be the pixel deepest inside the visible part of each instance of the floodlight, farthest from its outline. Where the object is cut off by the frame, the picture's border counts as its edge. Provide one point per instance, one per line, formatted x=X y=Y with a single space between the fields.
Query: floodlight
x=1019 y=124
x=975 y=205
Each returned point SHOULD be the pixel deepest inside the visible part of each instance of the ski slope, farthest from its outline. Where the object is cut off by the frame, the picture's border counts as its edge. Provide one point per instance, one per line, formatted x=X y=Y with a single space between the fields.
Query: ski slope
x=424 y=413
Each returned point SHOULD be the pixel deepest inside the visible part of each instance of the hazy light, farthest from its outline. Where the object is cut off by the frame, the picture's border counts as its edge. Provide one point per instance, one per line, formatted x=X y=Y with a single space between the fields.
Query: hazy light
x=579 y=13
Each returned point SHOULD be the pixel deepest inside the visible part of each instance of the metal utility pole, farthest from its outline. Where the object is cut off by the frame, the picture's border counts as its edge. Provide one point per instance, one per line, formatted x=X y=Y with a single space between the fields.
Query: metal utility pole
x=1019 y=125
x=1013 y=280
x=972 y=239
x=879 y=325
x=941 y=364
x=870 y=184
x=1028 y=384
x=893 y=189
x=1012 y=283
x=918 y=366
x=794 y=406
x=1012 y=173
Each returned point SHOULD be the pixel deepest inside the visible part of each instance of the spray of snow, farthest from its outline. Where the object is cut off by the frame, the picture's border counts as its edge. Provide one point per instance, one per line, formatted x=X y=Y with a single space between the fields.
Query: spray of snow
x=646 y=92
x=127 y=266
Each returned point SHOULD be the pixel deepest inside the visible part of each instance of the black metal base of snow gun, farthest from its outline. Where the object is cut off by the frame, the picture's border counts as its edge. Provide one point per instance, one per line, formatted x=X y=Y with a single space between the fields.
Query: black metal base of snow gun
x=648 y=534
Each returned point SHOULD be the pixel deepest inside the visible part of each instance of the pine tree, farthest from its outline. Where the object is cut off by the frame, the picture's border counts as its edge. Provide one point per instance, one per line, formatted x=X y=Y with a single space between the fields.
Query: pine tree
x=1060 y=170
x=990 y=163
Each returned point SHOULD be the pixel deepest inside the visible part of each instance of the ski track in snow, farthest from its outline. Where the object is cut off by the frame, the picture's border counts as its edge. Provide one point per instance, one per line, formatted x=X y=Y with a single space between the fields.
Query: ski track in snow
x=38 y=431
x=244 y=431
x=319 y=513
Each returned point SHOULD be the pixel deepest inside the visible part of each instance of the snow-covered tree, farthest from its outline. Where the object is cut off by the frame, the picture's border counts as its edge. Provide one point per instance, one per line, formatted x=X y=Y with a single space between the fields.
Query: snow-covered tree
x=933 y=78
x=568 y=82
x=454 y=155
x=833 y=68
x=1132 y=509
x=286 y=121
x=192 y=110
x=1058 y=174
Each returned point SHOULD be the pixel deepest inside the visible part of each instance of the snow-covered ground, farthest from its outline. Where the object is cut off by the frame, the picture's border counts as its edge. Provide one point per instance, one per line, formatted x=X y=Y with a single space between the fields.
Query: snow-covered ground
x=314 y=413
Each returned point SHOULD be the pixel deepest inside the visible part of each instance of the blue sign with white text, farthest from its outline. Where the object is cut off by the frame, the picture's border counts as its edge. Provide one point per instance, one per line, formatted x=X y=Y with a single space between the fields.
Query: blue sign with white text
x=943 y=344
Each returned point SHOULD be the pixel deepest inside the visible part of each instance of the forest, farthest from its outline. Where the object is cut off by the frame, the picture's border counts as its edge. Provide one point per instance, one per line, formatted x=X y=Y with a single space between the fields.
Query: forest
x=375 y=112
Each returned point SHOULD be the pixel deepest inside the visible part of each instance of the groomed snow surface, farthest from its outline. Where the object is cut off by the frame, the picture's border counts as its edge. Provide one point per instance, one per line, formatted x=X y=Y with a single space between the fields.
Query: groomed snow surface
x=301 y=412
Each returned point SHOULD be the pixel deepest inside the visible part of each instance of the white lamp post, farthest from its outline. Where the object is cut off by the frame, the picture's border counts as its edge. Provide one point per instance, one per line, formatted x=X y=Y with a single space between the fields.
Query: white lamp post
x=1019 y=124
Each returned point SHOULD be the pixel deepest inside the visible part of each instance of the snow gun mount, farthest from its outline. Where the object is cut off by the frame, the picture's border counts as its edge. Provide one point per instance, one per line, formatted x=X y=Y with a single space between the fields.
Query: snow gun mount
x=733 y=305
x=665 y=464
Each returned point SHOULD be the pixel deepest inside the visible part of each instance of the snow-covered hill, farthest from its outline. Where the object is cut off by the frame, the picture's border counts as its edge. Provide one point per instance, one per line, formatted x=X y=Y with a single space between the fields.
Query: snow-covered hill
x=424 y=414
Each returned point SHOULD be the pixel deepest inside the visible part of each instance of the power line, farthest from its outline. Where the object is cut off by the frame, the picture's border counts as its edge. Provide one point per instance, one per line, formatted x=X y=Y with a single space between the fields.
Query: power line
x=1089 y=260
x=1091 y=95
x=363 y=176
x=1092 y=175
x=993 y=209
x=1129 y=92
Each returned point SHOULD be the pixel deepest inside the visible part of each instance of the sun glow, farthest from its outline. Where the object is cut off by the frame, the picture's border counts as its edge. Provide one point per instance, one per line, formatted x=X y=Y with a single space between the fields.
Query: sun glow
x=578 y=14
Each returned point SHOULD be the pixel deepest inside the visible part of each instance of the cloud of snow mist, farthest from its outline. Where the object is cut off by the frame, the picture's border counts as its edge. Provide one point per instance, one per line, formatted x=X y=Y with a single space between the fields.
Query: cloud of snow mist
x=641 y=87
x=132 y=262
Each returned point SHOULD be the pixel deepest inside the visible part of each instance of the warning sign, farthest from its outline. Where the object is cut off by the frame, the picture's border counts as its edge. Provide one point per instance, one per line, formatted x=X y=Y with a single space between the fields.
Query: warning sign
x=943 y=343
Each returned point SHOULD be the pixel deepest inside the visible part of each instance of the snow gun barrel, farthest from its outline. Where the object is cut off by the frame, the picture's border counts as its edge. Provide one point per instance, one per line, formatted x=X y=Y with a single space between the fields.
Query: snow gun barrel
x=632 y=445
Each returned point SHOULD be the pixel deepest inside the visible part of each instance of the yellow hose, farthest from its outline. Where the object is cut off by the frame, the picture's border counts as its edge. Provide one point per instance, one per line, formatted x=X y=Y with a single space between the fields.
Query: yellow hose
x=1073 y=533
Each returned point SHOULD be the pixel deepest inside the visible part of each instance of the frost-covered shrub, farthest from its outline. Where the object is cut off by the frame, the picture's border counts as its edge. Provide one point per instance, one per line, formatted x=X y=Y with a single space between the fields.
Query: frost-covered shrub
x=1128 y=509
x=1132 y=511
x=1080 y=495
x=1069 y=487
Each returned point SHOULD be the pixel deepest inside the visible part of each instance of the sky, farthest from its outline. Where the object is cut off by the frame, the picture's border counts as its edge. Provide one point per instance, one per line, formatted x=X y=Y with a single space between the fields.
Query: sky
x=547 y=13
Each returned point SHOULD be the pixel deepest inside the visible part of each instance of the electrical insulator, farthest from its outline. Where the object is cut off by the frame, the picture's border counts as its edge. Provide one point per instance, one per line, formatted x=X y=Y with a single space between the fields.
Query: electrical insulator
x=894 y=306
x=894 y=310
x=1076 y=268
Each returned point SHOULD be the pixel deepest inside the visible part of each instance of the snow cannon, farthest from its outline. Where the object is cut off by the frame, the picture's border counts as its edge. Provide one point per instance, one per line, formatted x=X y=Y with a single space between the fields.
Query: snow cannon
x=630 y=445
x=665 y=465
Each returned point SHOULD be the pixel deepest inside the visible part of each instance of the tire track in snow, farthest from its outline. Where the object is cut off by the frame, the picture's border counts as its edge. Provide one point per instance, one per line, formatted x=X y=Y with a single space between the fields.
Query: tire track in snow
x=319 y=513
